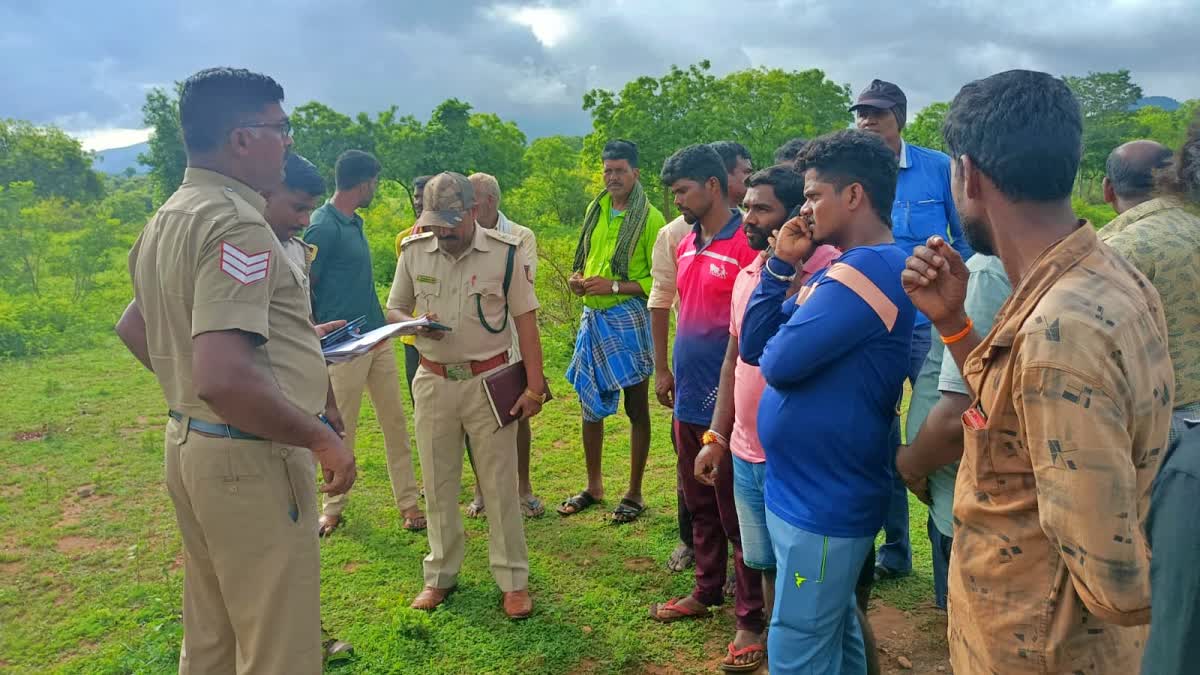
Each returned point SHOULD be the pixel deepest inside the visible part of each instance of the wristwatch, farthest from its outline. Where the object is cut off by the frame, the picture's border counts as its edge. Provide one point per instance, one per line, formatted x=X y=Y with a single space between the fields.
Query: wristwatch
x=616 y=287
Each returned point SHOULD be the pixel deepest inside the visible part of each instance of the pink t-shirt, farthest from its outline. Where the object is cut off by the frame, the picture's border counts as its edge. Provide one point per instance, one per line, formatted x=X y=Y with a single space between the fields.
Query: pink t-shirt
x=748 y=382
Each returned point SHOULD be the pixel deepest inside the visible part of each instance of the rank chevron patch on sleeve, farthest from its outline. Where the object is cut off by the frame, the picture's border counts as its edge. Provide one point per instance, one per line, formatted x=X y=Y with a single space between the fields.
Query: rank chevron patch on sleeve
x=245 y=268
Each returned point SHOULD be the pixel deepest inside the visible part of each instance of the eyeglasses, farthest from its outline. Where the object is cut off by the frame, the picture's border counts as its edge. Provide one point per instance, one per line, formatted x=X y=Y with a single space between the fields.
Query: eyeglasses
x=284 y=128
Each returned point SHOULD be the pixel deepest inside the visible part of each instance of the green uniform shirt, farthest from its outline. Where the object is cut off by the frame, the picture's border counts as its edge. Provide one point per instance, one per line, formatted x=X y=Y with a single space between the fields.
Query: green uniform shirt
x=987 y=289
x=604 y=242
x=343 y=286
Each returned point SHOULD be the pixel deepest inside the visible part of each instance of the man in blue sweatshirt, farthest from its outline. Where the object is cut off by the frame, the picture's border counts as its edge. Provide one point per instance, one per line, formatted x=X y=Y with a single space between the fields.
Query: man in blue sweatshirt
x=923 y=207
x=834 y=358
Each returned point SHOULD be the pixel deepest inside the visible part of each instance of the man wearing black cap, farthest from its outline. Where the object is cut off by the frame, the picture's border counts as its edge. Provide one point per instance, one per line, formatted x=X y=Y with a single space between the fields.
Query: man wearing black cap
x=924 y=207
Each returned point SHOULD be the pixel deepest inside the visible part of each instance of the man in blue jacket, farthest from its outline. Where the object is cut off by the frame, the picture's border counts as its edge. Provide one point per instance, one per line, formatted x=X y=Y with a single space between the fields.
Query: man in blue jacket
x=833 y=352
x=923 y=207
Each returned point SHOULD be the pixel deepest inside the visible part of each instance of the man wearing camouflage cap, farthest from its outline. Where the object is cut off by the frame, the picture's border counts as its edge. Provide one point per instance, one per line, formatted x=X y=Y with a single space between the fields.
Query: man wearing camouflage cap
x=472 y=280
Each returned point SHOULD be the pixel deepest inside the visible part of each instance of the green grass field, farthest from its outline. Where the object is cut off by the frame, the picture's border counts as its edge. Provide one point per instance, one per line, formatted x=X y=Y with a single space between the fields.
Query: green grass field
x=90 y=563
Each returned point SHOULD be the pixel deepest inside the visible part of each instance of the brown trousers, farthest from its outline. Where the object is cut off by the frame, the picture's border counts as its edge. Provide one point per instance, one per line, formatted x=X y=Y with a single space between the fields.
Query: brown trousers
x=247 y=511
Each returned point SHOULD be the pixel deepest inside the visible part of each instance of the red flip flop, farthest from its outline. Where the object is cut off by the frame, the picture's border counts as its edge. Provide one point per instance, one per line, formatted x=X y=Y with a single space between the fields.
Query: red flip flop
x=680 y=611
x=744 y=667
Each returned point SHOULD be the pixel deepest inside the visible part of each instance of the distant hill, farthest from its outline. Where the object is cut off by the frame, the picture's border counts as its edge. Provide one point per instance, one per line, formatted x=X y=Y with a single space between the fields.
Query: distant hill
x=116 y=160
x=1165 y=102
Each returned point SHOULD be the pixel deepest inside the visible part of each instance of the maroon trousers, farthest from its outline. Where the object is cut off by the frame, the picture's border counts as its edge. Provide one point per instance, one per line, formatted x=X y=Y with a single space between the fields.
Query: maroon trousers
x=714 y=526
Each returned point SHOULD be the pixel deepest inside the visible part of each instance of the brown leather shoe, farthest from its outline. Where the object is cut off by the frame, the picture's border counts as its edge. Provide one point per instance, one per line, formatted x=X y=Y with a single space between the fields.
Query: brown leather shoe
x=429 y=598
x=518 y=604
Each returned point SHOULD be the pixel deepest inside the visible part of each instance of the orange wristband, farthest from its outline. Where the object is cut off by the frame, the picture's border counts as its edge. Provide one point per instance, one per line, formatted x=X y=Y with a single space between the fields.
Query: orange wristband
x=960 y=334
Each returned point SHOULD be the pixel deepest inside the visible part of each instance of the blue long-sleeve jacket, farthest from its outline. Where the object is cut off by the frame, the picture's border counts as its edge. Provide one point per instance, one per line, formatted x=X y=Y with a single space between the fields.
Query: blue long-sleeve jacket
x=834 y=366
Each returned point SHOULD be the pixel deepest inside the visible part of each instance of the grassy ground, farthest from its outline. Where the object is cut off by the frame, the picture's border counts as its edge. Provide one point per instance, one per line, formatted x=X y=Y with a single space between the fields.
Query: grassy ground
x=90 y=566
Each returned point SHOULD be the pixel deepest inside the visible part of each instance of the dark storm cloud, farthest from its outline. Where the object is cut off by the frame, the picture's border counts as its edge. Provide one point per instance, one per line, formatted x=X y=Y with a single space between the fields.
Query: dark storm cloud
x=84 y=65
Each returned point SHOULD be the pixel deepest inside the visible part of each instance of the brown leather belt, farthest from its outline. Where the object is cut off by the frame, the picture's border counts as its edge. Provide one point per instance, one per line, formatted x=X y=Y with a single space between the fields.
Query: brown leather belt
x=459 y=371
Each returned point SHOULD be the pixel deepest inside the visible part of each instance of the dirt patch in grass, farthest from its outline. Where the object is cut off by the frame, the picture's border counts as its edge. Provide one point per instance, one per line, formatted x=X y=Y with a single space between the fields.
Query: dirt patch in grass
x=640 y=564
x=74 y=508
x=11 y=491
x=24 y=436
x=585 y=667
x=915 y=638
x=75 y=545
x=351 y=567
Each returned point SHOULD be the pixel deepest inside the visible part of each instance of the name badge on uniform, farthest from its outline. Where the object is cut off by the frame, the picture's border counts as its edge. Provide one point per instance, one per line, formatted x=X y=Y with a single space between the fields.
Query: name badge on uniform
x=426 y=279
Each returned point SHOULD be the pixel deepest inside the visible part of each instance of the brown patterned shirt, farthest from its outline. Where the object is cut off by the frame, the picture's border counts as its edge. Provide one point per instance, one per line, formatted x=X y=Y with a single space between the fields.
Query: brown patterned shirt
x=1161 y=238
x=1050 y=569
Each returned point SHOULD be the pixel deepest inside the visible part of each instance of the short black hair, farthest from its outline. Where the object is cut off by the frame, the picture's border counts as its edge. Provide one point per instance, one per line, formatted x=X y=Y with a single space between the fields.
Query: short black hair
x=1024 y=131
x=788 y=152
x=730 y=152
x=301 y=175
x=787 y=183
x=695 y=162
x=215 y=101
x=353 y=168
x=621 y=149
x=420 y=181
x=1131 y=173
x=853 y=156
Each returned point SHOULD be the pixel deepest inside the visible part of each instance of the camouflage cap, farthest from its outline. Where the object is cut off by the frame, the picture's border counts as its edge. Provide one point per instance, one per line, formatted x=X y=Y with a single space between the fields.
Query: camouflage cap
x=447 y=197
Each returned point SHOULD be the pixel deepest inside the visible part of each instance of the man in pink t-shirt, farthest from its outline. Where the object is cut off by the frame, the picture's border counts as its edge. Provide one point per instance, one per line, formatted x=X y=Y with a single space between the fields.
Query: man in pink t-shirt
x=772 y=195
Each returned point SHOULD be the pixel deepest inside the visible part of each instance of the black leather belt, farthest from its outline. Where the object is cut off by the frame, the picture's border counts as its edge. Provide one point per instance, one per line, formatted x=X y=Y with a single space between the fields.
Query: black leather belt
x=213 y=429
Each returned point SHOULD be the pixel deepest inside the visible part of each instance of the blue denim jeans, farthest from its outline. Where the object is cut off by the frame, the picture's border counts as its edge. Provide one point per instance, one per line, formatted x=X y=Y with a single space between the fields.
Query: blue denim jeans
x=896 y=552
x=814 y=626
x=748 y=480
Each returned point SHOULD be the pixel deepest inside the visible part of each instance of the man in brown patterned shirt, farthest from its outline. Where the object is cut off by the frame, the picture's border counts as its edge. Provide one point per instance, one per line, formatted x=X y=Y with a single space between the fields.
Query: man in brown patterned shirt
x=1071 y=405
x=1158 y=230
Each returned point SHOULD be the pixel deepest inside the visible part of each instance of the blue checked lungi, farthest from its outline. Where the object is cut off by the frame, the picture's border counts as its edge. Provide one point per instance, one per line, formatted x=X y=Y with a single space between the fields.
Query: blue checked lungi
x=613 y=350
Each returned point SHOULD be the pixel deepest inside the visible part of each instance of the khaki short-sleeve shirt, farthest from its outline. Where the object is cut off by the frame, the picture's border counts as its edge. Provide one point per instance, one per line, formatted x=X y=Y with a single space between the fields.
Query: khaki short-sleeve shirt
x=464 y=292
x=207 y=262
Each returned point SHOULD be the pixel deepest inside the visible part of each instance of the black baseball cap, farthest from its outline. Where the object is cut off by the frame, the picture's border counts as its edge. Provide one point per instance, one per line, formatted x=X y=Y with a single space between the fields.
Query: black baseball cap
x=882 y=95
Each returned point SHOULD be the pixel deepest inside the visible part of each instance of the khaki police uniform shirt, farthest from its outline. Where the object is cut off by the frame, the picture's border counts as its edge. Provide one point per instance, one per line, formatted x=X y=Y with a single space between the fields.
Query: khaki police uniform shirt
x=431 y=281
x=207 y=262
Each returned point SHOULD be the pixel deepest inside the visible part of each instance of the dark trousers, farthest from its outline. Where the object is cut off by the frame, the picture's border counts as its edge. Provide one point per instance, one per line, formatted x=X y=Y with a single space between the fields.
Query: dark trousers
x=714 y=526
x=412 y=360
x=682 y=515
x=940 y=545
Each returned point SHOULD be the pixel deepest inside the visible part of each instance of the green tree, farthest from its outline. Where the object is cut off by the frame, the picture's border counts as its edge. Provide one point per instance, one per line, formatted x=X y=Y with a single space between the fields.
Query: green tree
x=321 y=133
x=166 y=156
x=1166 y=127
x=554 y=194
x=760 y=108
x=926 y=128
x=49 y=158
x=24 y=236
x=784 y=105
x=1106 y=100
x=499 y=147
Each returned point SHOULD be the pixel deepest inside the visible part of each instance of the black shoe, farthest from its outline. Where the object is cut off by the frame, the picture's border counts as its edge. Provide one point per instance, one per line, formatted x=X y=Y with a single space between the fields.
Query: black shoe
x=886 y=573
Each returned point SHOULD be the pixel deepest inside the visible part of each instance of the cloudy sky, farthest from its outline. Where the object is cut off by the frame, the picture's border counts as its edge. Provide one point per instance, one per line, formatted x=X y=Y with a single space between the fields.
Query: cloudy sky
x=86 y=66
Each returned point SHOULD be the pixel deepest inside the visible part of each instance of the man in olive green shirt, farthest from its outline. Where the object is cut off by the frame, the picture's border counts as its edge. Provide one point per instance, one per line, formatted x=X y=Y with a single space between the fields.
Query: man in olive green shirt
x=1158 y=231
x=614 y=351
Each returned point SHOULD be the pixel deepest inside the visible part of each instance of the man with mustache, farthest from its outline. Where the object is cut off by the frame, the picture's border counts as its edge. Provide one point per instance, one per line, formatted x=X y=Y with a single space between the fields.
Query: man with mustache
x=477 y=282
x=223 y=323
x=709 y=260
x=835 y=352
x=923 y=207
x=772 y=194
x=614 y=348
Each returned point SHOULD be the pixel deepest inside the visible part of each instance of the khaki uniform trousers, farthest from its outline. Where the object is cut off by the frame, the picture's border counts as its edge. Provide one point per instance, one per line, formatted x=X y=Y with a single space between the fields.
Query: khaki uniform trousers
x=376 y=372
x=446 y=410
x=247 y=511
